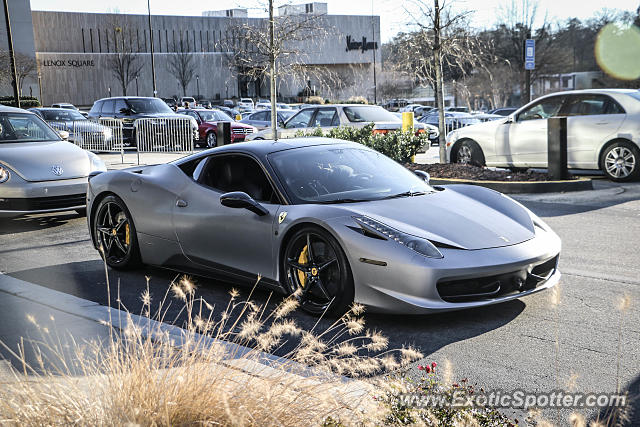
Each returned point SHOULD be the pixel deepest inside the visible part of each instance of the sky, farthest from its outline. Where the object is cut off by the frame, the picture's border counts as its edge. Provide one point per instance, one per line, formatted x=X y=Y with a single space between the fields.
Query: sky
x=393 y=13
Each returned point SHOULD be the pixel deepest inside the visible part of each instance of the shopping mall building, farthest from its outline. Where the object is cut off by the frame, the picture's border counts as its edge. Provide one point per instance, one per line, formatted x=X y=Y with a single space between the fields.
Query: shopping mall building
x=78 y=54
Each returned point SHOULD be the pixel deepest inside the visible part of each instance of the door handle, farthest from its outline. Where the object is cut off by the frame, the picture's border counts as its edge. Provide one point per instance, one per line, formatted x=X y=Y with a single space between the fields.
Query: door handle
x=181 y=203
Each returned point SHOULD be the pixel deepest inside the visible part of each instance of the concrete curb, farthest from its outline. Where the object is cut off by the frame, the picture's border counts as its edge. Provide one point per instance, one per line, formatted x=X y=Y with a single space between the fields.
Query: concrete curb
x=517 y=187
x=260 y=364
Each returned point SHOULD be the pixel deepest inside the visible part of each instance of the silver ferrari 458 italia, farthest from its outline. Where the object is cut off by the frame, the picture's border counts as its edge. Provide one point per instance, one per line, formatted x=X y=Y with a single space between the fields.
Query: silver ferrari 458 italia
x=333 y=220
x=39 y=171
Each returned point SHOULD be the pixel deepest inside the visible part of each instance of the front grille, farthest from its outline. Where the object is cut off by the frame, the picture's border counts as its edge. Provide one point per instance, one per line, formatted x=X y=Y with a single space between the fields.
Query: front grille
x=241 y=131
x=43 y=203
x=482 y=288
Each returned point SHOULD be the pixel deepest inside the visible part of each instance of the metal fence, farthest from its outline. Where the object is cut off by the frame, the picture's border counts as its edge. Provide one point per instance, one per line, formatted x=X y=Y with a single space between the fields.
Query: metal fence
x=104 y=135
x=164 y=135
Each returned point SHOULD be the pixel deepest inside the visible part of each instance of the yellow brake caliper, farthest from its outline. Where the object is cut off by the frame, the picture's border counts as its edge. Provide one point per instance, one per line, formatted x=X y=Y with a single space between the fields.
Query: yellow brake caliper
x=127 y=237
x=302 y=260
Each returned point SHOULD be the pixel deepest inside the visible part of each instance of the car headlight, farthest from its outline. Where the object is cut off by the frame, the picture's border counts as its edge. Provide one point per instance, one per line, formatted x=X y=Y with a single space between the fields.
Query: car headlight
x=416 y=244
x=97 y=165
x=107 y=132
x=4 y=175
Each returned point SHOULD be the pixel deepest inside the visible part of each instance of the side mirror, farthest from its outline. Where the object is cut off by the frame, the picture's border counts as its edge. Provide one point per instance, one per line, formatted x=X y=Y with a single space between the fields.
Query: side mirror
x=63 y=134
x=422 y=174
x=510 y=119
x=239 y=199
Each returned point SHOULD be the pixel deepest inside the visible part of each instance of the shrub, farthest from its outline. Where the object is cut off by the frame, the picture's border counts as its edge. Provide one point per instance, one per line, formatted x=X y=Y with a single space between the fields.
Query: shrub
x=315 y=100
x=399 y=146
x=25 y=101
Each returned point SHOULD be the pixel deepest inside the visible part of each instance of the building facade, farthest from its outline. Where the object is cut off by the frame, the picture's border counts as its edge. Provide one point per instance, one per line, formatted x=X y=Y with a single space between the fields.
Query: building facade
x=81 y=56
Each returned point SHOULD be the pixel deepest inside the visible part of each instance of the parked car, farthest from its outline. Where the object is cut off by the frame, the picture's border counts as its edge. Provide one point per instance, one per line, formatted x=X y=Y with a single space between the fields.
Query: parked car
x=71 y=121
x=602 y=133
x=246 y=104
x=262 y=119
x=504 y=111
x=331 y=221
x=129 y=109
x=208 y=125
x=282 y=106
x=410 y=108
x=486 y=117
x=452 y=120
x=263 y=105
x=39 y=171
x=228 y=103
x=422 y=110
x=231 y=112
x=189 y=100
x=329 y=116
x=395 y=104
x=68 y=106
x=457 y=109
x=170 y=102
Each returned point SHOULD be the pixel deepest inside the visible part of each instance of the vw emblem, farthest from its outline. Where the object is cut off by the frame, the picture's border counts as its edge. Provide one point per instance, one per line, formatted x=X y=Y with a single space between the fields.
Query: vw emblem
x=57 y=170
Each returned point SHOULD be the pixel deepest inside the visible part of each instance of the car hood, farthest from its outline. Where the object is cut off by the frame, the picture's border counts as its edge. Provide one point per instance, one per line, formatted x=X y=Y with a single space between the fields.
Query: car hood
x=35 y=161
x=82 y=125
x=455 y=219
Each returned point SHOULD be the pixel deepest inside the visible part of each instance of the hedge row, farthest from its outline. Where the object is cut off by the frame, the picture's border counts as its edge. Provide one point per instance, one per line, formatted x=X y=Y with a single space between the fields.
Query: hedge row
x=25 y=101
x=400 y=146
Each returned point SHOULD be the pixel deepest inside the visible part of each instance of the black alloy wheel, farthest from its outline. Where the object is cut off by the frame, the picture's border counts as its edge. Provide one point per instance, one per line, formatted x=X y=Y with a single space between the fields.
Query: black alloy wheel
x=212 y=139
x=314 y=264
x=115 y=233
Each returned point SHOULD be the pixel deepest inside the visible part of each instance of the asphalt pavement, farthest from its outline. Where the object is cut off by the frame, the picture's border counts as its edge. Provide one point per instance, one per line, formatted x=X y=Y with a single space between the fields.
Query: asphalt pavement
x=529 y=344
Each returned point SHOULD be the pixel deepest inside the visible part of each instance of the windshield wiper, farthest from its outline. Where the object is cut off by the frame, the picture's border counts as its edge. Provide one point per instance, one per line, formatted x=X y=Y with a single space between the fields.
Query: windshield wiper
x=328 y=202
x=405 y=194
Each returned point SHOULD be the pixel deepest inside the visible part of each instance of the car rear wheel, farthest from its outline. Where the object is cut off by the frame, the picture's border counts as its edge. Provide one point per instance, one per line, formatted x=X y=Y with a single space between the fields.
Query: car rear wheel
x=620 y=161
x=468 y=152
x=212 y=140
x=115 y=233
x=315 y=265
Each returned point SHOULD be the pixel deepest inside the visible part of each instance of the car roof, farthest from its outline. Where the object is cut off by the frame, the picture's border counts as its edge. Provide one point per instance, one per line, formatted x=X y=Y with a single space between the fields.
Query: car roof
x=126 y=97
x=7 y=109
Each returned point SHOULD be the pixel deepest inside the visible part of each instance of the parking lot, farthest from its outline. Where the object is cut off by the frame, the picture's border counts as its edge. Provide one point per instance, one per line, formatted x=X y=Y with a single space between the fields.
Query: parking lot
x=528 y=344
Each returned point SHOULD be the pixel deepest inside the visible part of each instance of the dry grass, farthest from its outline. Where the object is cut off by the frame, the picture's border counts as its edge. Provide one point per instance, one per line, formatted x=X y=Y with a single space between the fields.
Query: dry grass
x=137 y=378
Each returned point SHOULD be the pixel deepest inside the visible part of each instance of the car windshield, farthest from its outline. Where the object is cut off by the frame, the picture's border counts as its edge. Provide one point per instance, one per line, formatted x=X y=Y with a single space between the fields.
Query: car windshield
x=19 y=127
x=61 y=115
x=148 y=106
x=369 y=114
x=214 y=116
x=322 y=174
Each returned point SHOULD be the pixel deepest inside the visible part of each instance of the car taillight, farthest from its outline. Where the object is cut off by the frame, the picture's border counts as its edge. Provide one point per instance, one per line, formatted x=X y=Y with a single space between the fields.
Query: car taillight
x=381 y=131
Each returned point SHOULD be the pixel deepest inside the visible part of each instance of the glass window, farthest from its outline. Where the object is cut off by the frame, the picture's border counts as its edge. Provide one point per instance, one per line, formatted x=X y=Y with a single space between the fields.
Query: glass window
x=590 y=105
x=227 y=173
x=261 y=116
x=321 y=174
x=148 y=106
x=97 y=106
x=544 y=109
x=61 y=115
x=107 y=108
x=370 y=113
x=302 y=119
x=325 y=117
x=214 y=116
x=17 y=127
x=121 y=106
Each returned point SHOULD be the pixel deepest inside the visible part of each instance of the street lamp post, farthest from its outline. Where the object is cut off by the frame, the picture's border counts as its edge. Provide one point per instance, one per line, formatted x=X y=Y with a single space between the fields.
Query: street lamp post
x=109 y=89
x=198 y=85
x=137 y=93
x=153 y=64
x=12 y=57
x=40 y=86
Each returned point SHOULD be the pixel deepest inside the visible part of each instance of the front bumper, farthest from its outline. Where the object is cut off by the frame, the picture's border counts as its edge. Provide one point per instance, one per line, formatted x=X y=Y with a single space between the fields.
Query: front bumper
x=412 y=284
x=20 y=197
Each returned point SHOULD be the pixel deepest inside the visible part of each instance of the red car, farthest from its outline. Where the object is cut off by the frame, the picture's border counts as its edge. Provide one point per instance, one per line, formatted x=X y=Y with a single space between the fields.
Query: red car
x=208 y=125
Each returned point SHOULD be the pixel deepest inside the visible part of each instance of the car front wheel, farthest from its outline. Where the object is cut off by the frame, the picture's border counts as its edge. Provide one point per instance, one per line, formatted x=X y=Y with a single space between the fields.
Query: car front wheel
x=620 y=161
x=115 y=233
x=212 y=140
x=315 y=266
x=468 y=152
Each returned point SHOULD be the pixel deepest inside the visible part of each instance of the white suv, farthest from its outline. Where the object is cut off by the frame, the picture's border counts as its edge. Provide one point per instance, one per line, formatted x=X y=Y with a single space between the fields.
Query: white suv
x=246 y=104
x=603 y=132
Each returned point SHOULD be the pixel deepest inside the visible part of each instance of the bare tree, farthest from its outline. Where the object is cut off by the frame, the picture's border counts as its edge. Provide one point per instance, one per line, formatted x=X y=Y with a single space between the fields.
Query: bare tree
x=25 y=67
x=124 y=64
x=181 y=65
x=272 y=48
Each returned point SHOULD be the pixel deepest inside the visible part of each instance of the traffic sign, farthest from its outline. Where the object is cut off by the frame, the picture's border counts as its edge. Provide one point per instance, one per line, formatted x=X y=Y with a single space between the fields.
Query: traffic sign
x=530 y=54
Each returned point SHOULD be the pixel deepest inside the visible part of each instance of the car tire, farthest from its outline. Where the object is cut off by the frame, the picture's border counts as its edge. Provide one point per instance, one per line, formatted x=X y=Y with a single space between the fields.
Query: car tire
x=323 y=274
x=620 y=161
x=468 y=152
x=115 y=232
x=212 y=140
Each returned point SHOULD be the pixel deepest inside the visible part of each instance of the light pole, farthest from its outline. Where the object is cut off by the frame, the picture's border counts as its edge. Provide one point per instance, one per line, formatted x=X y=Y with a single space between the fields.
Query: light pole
x=109 y=89
x=153 y=64
x=197 y=86
x=40 y=86
x=137 y=93
x=12 y=57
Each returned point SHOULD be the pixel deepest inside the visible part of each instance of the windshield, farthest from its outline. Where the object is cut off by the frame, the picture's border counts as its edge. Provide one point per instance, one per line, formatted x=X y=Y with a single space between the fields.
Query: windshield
x=322 y=174
x=61 y=115
x=369 y=114
x=214 y=116
x=18 y=127
x=148 y=106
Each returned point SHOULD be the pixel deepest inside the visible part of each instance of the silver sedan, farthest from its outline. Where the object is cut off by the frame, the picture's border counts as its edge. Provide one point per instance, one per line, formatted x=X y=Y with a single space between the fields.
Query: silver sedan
x=39 y=171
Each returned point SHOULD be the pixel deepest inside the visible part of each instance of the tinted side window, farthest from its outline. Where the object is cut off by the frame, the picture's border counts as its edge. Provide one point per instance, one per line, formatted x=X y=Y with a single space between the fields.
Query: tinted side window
x=227 y=173
x=544 y=109
x=97 y=107
x=325 y=117
x=262 y=116
x=107 y=108
x=121 y=106
x=302 y=119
